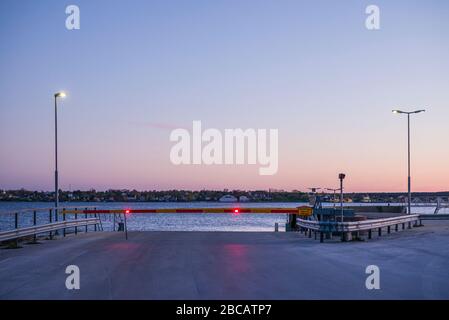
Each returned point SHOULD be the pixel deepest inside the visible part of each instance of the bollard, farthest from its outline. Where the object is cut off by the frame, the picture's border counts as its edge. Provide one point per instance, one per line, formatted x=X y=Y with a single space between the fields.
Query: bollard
x=310 y=233
x=380 y=232
x=276 y=227
x=291 y=223
x=396 y=228
x=315 y=235
x=321 y=237
x=388 y=230
x=370 y=234
x=409 y=225
x=403 y=226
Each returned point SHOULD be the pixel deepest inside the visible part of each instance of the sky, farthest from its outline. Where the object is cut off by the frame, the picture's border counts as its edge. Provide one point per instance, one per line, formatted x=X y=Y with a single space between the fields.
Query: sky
x=136 y=70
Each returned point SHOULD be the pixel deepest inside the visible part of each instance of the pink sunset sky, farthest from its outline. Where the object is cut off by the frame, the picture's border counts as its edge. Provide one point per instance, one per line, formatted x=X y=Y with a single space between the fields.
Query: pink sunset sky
x=135 y=73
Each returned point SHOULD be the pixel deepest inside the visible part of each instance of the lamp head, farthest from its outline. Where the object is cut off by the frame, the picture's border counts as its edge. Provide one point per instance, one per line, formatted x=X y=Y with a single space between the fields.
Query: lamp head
x=60 y=94
x=408 y=112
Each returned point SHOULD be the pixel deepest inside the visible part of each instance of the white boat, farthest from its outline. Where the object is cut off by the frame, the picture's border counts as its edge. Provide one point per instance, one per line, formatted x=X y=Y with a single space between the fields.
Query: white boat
x=366 y=199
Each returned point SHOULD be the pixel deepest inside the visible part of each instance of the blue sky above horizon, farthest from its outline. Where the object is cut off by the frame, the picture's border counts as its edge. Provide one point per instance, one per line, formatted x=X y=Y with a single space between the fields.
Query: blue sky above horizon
x=311 y=69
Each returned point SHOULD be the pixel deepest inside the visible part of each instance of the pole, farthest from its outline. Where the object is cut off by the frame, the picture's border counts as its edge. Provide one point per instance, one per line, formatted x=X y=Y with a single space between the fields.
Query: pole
x=126 y=228
x=50 y=218
x=56 y=159
x=34 y=223
x=334 y=198
x=341 y=198
x=409 y=179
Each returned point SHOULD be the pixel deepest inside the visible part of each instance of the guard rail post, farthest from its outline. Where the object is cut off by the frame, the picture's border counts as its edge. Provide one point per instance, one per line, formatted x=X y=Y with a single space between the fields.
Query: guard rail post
x=76 y=217
x=63 y=219
x=50 y=219
x=85 y=216
x=34 y=224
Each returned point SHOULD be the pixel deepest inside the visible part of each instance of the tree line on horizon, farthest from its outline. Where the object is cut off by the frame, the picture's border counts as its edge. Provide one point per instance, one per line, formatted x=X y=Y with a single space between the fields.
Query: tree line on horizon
x=273 y=195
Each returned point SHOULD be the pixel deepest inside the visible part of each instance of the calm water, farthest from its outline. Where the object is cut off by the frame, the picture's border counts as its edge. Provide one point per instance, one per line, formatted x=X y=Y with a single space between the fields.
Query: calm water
x=167 y=222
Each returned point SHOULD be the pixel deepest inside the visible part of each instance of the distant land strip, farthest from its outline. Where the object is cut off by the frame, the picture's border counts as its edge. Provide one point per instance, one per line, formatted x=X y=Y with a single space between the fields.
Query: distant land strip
x=271 y=195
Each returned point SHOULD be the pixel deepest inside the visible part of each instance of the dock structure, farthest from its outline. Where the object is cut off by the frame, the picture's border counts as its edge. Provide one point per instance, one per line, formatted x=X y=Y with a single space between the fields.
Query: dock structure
x=226 y=265
x=321 y=221
x=229 y=265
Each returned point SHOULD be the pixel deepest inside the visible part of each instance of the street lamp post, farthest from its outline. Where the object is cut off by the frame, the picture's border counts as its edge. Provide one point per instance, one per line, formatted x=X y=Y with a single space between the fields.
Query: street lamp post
x=341 y=176
x=57 y=95
x=408 y=154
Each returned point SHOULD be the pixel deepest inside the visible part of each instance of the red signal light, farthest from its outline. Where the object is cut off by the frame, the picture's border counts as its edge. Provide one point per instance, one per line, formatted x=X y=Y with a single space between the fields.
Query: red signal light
x=236 y=210
x=127 y=211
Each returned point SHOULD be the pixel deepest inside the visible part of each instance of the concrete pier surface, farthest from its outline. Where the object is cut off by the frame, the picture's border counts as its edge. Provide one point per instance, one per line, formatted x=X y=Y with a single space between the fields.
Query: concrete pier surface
x=414 y=264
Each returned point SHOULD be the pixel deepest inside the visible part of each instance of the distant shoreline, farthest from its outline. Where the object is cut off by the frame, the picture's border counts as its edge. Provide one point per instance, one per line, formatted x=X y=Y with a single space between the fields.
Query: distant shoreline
x=225 y=196
x=193 y=201
x=171 y=201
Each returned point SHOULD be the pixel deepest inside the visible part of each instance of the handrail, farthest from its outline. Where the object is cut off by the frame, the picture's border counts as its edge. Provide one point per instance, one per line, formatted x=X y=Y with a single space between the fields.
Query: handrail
x=356 y=225
x=12 y=211
x=439 y=216
x=34 y=230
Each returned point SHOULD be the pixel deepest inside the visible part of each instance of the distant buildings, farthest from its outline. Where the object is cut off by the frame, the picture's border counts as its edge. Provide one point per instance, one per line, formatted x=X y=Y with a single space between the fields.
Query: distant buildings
x=228 y=198
x=210 y=195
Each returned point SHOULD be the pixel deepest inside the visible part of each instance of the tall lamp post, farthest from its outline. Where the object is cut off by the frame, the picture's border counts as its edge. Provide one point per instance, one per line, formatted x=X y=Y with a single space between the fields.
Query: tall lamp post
x=408 y=113
x=57 y=95
x=341 y=176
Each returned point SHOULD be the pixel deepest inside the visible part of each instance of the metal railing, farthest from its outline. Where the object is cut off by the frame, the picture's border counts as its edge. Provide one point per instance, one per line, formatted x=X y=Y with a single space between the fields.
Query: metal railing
x=45 y=220
x=33 y=217
x=439 y=216
x=347 y=228
x=35 y=230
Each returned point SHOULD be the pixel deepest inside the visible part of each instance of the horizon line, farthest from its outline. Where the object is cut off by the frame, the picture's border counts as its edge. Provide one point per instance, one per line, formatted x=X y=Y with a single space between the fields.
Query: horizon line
x=213 y=190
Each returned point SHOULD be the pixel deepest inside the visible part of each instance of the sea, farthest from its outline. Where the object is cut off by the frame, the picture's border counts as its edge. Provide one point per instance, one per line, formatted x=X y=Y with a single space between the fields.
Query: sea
x=170 y=221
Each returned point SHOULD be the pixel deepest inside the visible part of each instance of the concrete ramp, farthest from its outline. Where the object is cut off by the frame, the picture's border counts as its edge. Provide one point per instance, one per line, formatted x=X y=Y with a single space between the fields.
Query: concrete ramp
x=226 y=265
